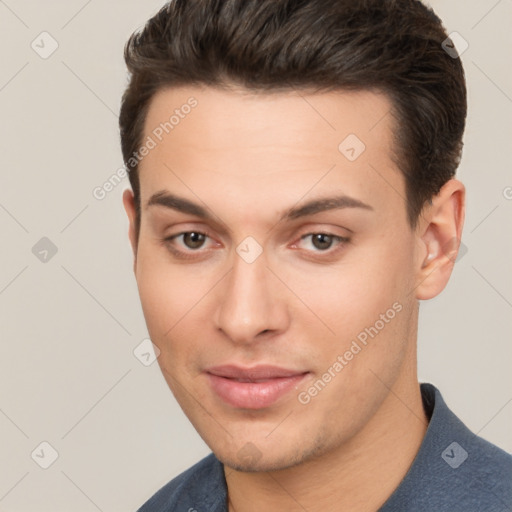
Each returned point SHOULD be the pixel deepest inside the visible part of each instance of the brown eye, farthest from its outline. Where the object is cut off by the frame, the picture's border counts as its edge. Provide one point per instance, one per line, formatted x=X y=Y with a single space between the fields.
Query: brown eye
x=187 y=245
x=193 y=239
x=322 y=241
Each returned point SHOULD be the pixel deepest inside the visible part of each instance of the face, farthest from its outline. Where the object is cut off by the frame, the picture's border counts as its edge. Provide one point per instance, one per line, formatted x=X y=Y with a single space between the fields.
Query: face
x=282 y=319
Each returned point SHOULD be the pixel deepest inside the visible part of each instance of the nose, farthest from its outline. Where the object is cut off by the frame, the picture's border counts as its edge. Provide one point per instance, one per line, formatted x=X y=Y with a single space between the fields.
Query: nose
x=250 y=304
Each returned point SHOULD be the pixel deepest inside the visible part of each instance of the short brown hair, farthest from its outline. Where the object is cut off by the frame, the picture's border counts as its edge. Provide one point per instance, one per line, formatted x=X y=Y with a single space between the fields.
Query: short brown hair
x=392 y=46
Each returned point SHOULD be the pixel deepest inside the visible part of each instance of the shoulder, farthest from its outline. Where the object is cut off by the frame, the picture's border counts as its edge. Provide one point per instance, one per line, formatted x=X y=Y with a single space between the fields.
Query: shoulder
x=455 y=469
x=474 y=473
x=201 y=486
x=486 y=473
x=473 y=463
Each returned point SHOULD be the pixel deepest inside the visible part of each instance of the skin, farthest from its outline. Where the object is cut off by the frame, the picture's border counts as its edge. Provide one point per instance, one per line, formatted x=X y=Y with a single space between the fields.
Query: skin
x=248 y=158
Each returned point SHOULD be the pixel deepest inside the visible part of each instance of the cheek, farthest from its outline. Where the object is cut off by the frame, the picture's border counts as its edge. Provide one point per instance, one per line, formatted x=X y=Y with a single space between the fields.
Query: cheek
x=162 y=295
x=171 y=300
x=344 y=298
x=159 y=303
x=164 y=289
x=344 y=402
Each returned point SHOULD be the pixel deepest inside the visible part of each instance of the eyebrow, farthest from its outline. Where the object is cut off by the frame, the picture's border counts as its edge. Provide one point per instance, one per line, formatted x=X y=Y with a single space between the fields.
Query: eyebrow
x=168 y=200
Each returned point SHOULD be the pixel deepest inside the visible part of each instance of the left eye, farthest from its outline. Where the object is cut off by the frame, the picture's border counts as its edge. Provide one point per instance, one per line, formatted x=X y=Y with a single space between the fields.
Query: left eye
x=192 y=239
x=324 y=241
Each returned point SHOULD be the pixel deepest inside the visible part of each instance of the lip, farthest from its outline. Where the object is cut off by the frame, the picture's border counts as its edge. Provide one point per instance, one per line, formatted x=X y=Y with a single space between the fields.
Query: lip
x=253 y=388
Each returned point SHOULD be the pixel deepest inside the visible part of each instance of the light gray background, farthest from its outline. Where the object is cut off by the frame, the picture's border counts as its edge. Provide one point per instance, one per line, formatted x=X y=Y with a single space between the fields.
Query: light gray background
x=69 y=326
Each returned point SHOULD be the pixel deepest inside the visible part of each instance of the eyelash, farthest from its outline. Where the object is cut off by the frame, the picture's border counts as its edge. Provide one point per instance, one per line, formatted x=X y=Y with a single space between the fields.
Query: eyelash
x=167 y=242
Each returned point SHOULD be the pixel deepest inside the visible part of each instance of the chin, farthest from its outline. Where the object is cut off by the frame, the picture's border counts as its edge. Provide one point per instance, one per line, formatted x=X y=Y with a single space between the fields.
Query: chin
x=250 y=459
x=263 y=465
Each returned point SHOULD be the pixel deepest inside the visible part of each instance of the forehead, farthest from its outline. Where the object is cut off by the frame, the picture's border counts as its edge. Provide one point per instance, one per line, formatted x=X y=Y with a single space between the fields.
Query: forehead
x=238 y=114
x=244 y=146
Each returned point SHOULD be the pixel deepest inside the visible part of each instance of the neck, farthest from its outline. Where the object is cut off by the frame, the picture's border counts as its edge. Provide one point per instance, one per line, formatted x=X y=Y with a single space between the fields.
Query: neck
x=359 y=475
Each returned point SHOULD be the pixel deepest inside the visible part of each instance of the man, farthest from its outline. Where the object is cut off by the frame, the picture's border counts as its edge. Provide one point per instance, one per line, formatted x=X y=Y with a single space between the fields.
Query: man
x=293 y=198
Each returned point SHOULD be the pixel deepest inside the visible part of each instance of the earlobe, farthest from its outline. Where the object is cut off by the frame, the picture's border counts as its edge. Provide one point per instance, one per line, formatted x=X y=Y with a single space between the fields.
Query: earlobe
x=439 y=238
x=130 y=208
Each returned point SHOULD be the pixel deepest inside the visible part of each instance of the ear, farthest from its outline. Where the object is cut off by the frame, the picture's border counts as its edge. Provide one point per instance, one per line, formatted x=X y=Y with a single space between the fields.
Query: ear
x=130 y=208
x=439 y=236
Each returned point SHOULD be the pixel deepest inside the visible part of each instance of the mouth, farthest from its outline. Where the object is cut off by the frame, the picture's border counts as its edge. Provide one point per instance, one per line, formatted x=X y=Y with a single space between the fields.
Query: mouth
x=253 y=388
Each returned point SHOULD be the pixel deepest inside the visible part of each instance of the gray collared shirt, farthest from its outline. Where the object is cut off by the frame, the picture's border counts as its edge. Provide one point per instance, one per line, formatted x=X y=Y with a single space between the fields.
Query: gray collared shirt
x=453 y=471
